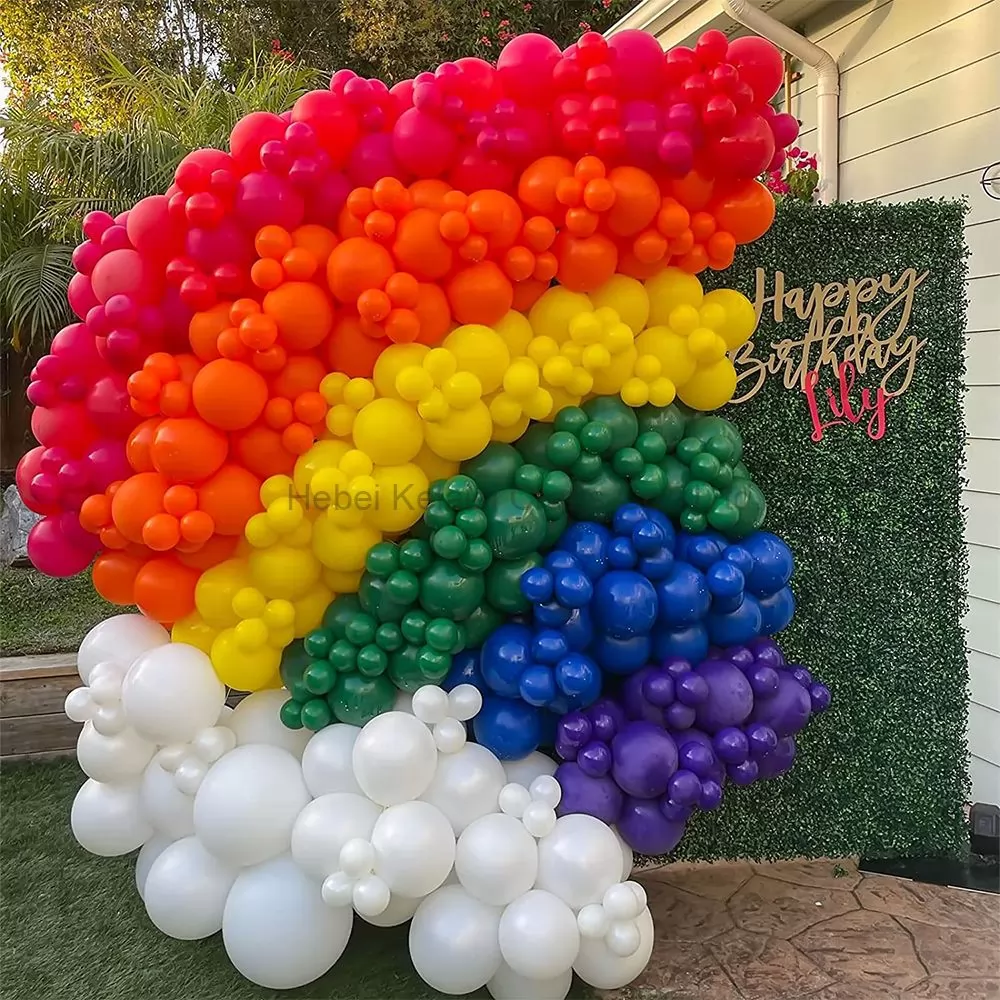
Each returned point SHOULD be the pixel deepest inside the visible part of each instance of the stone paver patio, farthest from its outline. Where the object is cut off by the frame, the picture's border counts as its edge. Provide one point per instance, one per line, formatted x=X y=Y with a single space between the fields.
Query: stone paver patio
x=814 y=930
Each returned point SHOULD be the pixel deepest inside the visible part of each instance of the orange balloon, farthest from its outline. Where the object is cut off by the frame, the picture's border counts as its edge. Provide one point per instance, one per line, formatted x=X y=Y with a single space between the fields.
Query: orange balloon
x=630 y=265
x=419 y=247
x=429 y=193
x=744 y=209
x=527 y=293
x=229 y=394
x=585 y=263
x=139 y=443
x=204 y=330
x=139 y=498
x=693 y=190
x=356 y=265
x=637 y=200
x=694 y=261
x=721 y=247
x=230 y=498
x=95 y=513
x=350 y=350
x=497 y=216
x=260 y=450
x=434 y=313
x=217 y=549
x=318 y=240
x=164 y=589
x=114 y=576
x=187 y=450
x=302 y=373
x=480 y=294
x=303 y=312
x=537 y=187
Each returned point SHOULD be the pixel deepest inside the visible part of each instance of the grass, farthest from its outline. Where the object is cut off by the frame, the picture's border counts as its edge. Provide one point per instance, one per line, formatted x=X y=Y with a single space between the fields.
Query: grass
x=73 y=925
x=42 y=614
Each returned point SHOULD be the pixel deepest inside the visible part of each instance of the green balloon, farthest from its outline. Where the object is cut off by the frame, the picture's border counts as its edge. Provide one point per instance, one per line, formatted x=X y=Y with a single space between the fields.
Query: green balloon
x=628 y=462
x=318 y=642
x=515 y=523
x=707 y=427
x=693 y=522
x=361 y=630
x=563 y=449
x=372 y=661
x=441 y=635
x=666 y=421
x=676 y=476
x=557 y=522
x=357 y=700
x=382 y=558
x=379 y=597
x=598 y=498
x=340 y=612
x=477 y=557
x=596 y=438
x=294 y=660
x=404 y=669
x=724 y=516
x=700 y=496
x=447 y=592
x=290 y=714
x=503 y=583
x=532 y=443
x=651 y=446
x=586 y=468
x=438 y=514
x=319 y=677
x=415 y=555
x=620 y=419
x=316 y=714
x=460 y=492
x=570 y=418
x=480 y=624
x=472 y=522
x=388 y=637
x=413 y=625
x=529 y=478
x=402 y=588
x=343 y=656
x=494 y=467
x=556 y=486
x=433 y=665
x=650 y=484
x=449 y=542
x=745 y=494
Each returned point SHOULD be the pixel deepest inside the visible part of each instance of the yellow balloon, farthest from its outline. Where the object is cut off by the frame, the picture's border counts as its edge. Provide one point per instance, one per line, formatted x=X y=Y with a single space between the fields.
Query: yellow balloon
x=400 y=497
x=213 y=594
x=627 y=297
x=516 y=331
x=481 y=351
x=740 y=318
x=309 y=610
x=711 y=387
x=550 y=316
x=242 y=669
x=194 y=631
x=508 y=435
x=434 y=466
x=609 y=380
x=322 y=455
x=389 y=431
x=462 y=434
x=670 y=288
x=284 y=571
x=670 y=349
x=343 y=548
x=391 y=362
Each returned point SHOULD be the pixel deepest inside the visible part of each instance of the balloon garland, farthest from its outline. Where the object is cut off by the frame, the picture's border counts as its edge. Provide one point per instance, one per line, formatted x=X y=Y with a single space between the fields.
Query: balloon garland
x=394 y=415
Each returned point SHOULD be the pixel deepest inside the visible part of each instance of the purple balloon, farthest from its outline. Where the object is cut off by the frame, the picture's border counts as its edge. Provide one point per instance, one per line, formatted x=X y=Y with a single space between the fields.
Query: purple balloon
x=743 y=774
x=762 y=739
x=634 y=700
x=684 y=788
x=697 y=754
x=731 y=745
x=711 y=795
x=595 y=759
x=599 y=797
x=779 y=761
x=645 y=756
x=678 y=716
x=645 y=829
x=788 y=710
x=730 y=699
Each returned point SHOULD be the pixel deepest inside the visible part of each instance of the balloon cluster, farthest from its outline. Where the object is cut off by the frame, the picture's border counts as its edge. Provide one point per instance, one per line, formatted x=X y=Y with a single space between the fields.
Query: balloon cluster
x=280 y=840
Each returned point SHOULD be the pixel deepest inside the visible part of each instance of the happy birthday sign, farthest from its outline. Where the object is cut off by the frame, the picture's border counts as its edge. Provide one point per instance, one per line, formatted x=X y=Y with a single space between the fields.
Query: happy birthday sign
x=852 y=328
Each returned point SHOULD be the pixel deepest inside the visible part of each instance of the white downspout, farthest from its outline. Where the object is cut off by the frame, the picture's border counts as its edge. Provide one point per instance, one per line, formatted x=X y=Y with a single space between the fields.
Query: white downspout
x=827 y=87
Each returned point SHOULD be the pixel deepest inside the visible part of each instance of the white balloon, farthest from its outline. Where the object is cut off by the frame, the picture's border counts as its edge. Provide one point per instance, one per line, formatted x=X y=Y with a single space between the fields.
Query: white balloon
x=414 y=848
x=186 y=890
x=325 y=825
x=399 y=910
x=171 y=693
x=327 y=761
x=403 y=702
x=79 y=706
x=525 y=770
x=255 y=720
x=622 y=903
x=165 y=806
x=539 y=819
x=599 y=966
x=579 y=860
x=357 y=858
x=112 y=758
x=509 y=985
x=454 y=941
x=496 y=859
x=394 y=758
x=465 y=701
x=429 y=704
x=370 y=896
x=248 y=803
x=514 y=799
x=277 y=930
x=538 y=935
x=466 y=785
x=119 y=639
x=107 y=819
x=450 y=735
x=148 y=853
x=628 y=859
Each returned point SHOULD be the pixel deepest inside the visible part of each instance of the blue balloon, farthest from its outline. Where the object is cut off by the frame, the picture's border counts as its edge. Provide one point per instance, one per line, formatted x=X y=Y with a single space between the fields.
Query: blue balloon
x=621 y=656
x=628 y=517
x=773 y=563
x=624 y=604
x=579 y=680
x=736 y=627
x=683 y=596
x=505 y=654
x=579 y=630
x=508 y=727
x=657 y=565
x=588 y=543
x=689 y=642
x=622 y=554
x=464 y=670
x=776 y=611
x=537 y=584
x=538 y=685
x=549 y=646
x=701 y=550
x=572 y=588
x=727 y=586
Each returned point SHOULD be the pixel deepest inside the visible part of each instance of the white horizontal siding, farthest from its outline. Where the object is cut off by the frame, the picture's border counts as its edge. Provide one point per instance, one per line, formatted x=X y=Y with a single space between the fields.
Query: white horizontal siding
x=920 y=118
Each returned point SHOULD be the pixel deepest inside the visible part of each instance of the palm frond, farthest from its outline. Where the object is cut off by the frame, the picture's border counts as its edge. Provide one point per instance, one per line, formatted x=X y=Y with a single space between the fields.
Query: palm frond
x=33 y=284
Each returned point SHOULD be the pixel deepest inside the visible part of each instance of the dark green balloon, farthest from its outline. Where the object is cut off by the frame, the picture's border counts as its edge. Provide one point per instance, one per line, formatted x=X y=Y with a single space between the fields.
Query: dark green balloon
x=529 y=478
x=294 y=660
x=706 y=427
x=598 y=498
x=447 y=592
x=290 y=714
x=361 y=630
x=460 y=492
x=318 y=642
x=666 y=421
x=750 y=502
x=515 y=523
x=441 y=634
x=532 y=442
x=449 y=542
x=556 y=523
x=372 y=661
x=472 y=522
x=563 y=449
x=340 y=612
x=617 y=417
x=382 y=558
x=477 y=556
x=379 y=600
x=480 y=624
x=389 y=637
x=503 y=583
x=494 y=467
x=413 y=625
x=316 y=714
x=357 y=700
x=343 y=656
x=319 y=677
x=404 y=669
x=415 y=555
x=676 y=476
x=649 y=484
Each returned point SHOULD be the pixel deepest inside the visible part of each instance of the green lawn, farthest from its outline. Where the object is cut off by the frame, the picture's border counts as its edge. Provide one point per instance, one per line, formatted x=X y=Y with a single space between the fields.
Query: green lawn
x=41 y=614
x=72 y=926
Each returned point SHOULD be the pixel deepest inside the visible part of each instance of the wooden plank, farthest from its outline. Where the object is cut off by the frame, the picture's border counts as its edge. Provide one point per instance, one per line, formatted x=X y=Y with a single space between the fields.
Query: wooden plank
x=35 y=695
x=982 y=208
x=14 y=668
x=982 y=518
x=985 y=780
x=39 y=756
x=983 y=310
x=982 y=626
x=982 y=359
x=984 y=679
x=982 y=412
x=36 y=733
x=956 y=149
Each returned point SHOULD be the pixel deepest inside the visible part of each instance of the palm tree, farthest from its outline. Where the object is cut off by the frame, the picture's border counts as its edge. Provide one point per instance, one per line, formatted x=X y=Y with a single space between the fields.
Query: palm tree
x=52 y=173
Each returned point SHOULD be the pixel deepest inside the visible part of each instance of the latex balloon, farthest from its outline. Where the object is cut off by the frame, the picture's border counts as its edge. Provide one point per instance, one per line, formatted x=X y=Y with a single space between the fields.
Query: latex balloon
x=599 y=966
x=327 y=761
x=509 y=985
x=539 y=938
x=394 y=758
x=325 y=825
x=525 y=770
x=414 y=848
x=579 y=860
x=119 y=639
x=148 y=853
x=465 y=785
x=107 y=819
x=496 y=859
x=256 y=720
x=121 y=757
x=169 y=809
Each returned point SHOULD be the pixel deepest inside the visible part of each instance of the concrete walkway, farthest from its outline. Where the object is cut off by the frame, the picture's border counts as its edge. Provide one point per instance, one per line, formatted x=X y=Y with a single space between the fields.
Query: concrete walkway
x=816 y=930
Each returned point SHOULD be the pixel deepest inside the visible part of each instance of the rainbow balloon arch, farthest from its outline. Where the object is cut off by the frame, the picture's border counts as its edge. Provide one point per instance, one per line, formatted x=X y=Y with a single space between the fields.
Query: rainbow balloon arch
x=394 y=415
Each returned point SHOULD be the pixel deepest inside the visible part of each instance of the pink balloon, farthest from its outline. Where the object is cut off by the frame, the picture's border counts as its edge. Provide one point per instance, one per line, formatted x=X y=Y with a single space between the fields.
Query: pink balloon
x=176 y=319
x=209 y=159
x=402 y=94
x=249 y=134
x=74 y=344
x=29 y=467
x=80 y=295
x=151 y=230
x=785 y=129
x=108 y=405
x=423 y=144
x=107 y=464
x=760 y=65
x=474 y=171
x=124 y=272
x=85 y=256
x=641 y=126
x=747 y=149
x=65 y=425
x=226 y=242
x=264 y=199
x=333 y=121
x=327 y=199
x=53 y=554
x=525 y=68
x=371 y=159
x=639 y=64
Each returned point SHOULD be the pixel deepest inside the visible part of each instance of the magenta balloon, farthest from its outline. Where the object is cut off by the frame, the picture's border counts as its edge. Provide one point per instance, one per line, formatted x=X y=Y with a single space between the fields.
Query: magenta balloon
x=226 y=243
x=74 y=344
x=641 y=126
x=124 y=272
x=639 y=64
x=264 y=200
x=85 y=256
x=80 y=295
x=785 y=129
x=51 y=553
x=474 y=171
x=107 y=463
x=525 y=68
x=676 y=153
x=760 y=65
x=29 y=467
x=108 y=405
x=747 y=149
x=249 y=134
x=371 y=159
x=402 y=94
x=176 y=318
x=150 y=229
x=423 y=144
x=476 y=83
x=327 y=199
x=209 y=159
x=65 y=425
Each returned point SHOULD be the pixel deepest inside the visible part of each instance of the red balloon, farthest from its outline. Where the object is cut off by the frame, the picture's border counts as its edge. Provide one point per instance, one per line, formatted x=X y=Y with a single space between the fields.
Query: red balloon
x=746 y=150
x=639 y=64
x=124 y=272
x=151 y=230
x=249 y=134
x=29 y=467
x=80 y=295
x=525 y=68
x=331 y=118
x=760 y=65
